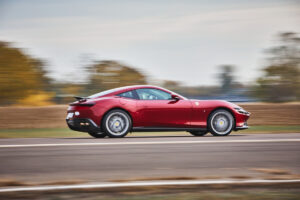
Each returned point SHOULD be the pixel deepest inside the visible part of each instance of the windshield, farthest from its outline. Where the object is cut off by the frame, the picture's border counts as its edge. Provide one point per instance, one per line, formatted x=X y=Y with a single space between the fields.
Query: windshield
x=175 y=94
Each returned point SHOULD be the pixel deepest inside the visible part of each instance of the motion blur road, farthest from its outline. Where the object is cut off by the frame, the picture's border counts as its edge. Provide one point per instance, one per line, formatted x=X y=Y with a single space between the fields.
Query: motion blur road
x=108 y=159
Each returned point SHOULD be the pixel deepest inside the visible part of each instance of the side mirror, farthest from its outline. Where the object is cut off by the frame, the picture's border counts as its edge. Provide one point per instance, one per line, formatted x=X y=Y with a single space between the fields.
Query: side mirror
x=175 y=97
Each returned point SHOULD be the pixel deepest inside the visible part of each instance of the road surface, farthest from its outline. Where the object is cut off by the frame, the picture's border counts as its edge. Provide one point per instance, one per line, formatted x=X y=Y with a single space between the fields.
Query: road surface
x=130 y=158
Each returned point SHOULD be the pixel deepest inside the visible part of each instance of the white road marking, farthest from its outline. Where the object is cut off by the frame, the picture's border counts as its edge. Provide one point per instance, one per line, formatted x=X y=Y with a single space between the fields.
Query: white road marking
x=143 y=183
x=150 y=142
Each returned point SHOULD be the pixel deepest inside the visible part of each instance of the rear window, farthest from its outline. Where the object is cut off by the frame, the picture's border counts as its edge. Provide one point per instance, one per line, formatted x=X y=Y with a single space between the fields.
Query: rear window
x=130 y=94
x=104 y=93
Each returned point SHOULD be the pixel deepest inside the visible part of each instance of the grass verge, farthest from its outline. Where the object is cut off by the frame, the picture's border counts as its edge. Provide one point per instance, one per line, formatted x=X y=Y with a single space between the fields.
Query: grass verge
x=195 y=192
x=65 y=132
x=273 y=129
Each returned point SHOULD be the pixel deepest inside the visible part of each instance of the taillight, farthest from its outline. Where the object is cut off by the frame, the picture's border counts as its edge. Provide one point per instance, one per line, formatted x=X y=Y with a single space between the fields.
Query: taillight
x=89 y=104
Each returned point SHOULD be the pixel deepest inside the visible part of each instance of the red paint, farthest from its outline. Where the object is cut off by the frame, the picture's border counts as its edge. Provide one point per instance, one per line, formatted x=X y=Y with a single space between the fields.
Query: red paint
x=157 y=113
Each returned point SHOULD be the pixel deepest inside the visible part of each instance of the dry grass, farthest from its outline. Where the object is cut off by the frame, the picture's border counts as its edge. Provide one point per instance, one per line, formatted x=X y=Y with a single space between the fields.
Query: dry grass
x=273 y=114
x=11 y=182
x=66 y=182
x=282 y=177
x=156 y=179
x=8 y=182
x=272 y=171
x=33 y=117
x=240 y=177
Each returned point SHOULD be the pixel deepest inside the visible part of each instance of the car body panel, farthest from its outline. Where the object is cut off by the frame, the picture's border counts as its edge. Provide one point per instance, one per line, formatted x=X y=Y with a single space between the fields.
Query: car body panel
x=182 y=113
x=165 y=113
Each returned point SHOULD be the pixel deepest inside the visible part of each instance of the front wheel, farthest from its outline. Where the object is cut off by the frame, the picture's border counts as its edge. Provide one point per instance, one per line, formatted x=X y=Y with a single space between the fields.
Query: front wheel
x=198 y=133
x=116 y=123
x=220 y=122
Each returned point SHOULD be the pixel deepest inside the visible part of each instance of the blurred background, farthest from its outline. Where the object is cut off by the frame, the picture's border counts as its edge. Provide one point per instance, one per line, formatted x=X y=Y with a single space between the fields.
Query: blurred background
x=247 y=52
x=240 y=51
x=233 y=50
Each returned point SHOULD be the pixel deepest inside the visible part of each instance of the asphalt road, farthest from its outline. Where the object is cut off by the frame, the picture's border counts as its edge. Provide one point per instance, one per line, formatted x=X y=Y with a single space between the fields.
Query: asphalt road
x=100 y=160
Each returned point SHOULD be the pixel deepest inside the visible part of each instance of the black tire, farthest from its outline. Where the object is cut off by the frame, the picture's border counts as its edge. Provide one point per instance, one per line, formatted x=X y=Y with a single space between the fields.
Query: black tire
x=198 y=133
x=97 y=134
x=116 y=123
x=220 y=122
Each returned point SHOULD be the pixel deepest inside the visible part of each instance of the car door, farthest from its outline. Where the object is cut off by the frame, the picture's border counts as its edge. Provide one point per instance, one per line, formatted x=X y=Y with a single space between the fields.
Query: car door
x=158 y=109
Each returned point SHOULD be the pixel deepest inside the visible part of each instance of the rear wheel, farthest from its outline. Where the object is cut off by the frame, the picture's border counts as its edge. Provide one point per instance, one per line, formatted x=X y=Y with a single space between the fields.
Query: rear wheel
x=220 y=122
x=97 y=134
x=198 y=133
x=116 y=123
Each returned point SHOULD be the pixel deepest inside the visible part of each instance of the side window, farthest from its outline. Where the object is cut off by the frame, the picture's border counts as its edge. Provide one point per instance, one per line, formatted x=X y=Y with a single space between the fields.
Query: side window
x=129 y=94
x=152 y=94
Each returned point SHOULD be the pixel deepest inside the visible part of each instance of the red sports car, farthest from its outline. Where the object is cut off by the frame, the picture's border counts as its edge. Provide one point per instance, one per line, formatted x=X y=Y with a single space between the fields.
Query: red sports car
x=116 y=112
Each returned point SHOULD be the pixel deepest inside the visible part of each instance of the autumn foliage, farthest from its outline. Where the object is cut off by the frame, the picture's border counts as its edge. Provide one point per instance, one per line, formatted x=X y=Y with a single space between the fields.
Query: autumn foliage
x=20 y=75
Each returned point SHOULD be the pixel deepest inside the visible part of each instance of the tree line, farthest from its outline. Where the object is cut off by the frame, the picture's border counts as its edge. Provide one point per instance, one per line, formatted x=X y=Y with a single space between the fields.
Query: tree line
x=24 y=80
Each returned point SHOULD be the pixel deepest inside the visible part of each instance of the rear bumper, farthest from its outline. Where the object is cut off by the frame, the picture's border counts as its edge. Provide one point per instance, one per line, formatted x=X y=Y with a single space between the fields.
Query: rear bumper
x=83 y=125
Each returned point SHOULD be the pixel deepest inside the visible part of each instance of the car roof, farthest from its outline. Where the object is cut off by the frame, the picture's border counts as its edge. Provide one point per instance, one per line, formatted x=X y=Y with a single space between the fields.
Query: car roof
x=119 y=90
x=133 y=87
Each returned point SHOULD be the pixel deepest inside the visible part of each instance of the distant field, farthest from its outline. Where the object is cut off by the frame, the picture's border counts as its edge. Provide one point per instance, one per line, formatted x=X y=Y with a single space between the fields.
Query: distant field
x=273 y=113
x=65 y=132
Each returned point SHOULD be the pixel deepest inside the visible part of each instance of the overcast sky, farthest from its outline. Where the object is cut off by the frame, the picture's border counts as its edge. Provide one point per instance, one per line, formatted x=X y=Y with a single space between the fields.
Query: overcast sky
x=184 y=40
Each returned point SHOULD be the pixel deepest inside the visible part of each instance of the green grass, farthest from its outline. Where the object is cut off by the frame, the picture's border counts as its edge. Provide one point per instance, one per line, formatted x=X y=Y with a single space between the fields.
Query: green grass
x=273 y=129
x=214 y=195
x=195 y=194
x=65 y=132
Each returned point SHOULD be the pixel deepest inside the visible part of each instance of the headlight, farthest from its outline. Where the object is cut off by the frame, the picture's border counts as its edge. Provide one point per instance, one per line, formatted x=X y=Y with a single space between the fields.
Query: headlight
x=77 y=113
x=242 y=111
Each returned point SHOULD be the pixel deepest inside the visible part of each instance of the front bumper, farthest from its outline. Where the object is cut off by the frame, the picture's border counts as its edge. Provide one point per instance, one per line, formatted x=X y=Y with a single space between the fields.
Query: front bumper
x=245 y=126
x=83 y=125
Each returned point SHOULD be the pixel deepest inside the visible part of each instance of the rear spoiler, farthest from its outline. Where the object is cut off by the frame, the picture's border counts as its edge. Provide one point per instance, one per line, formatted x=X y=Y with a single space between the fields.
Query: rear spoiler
x=81 y=98
x=81 y=101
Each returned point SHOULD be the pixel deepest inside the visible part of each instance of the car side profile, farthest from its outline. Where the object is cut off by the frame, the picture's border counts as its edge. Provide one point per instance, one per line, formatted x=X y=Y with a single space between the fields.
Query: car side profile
x=116 y=112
